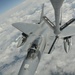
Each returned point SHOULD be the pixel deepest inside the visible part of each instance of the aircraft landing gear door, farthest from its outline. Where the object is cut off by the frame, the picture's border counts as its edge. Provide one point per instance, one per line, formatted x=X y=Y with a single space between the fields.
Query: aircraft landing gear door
x=67 y=44
x=22 y=40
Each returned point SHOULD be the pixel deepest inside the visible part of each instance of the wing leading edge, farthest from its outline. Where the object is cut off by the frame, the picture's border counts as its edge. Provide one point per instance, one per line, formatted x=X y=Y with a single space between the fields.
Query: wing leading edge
x=26 y=28
x=68 y=31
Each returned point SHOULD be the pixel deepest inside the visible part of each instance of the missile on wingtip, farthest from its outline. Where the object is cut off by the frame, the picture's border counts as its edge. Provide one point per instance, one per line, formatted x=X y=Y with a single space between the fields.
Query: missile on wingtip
x=57 y=6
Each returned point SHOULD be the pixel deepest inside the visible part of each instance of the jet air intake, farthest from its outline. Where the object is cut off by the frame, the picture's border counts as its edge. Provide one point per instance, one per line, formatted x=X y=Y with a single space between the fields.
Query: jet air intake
x=57 y=6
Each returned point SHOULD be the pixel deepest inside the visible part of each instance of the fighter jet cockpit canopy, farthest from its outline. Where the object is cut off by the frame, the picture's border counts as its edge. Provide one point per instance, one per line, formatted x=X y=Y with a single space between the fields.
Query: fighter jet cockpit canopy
x=34 y=48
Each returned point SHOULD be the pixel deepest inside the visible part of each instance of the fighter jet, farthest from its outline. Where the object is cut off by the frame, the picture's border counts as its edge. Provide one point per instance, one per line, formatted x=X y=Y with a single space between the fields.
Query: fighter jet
x=35 y=35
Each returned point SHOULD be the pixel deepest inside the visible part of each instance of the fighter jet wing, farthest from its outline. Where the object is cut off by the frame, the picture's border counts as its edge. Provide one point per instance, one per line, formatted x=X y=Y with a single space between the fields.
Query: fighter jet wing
x=26 y=28
x=70 y=30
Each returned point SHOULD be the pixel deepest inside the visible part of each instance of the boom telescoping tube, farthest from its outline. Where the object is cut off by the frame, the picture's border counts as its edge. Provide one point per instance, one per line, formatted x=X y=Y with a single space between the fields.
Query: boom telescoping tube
x=57 y=7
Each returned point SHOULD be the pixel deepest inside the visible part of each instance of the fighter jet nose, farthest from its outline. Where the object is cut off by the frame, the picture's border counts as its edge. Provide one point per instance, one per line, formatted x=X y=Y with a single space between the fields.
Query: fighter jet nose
x=57 y=4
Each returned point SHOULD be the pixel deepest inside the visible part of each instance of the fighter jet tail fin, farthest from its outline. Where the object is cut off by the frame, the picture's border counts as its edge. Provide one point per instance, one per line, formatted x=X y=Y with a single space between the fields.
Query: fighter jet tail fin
x=42 y=14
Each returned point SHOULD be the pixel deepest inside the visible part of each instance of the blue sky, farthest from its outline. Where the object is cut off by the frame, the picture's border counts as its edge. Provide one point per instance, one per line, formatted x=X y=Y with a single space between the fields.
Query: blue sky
x=5 y=5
